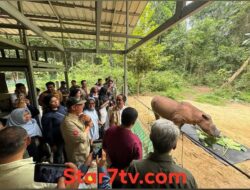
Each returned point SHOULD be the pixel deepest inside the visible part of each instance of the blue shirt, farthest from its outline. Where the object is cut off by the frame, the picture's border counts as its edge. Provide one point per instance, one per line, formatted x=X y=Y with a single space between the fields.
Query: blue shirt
x=94 y=130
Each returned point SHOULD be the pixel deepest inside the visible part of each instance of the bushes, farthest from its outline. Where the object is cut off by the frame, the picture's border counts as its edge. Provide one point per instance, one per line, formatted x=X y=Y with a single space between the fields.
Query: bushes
x=221 y=96
x=211 y=79
x=218 y=97
x=166 y=83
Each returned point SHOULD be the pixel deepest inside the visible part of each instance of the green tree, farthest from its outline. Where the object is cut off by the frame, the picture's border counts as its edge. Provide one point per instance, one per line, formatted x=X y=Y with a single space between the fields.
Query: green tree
x=143 y=60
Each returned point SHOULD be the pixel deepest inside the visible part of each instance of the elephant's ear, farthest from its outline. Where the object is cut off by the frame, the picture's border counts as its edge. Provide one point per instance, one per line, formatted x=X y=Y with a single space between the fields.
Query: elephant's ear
x=179 y=120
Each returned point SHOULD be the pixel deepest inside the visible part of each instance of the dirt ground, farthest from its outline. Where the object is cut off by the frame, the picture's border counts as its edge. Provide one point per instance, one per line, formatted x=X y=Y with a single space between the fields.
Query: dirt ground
x=233 y=120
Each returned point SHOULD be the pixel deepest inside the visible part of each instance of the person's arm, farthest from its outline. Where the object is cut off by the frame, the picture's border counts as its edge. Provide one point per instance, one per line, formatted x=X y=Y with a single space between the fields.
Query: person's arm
x=85 y=167
x=13 y=98
x=33 y=110
x=46 y=124
x=40 y=99
x=191 y=183
x=101 y=168
x=137 y=149
x=60 y=96
x=74 y=133
x=107 y=122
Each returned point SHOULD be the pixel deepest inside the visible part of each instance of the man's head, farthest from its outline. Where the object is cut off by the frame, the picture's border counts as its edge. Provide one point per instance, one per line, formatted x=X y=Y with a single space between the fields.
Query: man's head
x=38 y=91
x=99 y=81
x=63 y=84
x=13 y=140
x=93 y=90
x=73 y=82
x=20 y=88
x=164 y=135
x=50 y=86
x=75 y=106
x=107 y=79
x=110 y=83
x=84 y=83
x=91 y=103
x=129 y=116
x=121 y=100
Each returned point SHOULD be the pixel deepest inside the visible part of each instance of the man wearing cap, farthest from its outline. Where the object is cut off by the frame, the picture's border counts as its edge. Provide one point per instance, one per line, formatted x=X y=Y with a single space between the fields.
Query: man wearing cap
x=75 y=133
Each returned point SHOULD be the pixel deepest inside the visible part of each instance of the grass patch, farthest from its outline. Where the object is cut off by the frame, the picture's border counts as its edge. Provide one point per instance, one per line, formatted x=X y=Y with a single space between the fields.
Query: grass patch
x=217 y=97
x=222 y=96
x=244 y=96
x=211 y=99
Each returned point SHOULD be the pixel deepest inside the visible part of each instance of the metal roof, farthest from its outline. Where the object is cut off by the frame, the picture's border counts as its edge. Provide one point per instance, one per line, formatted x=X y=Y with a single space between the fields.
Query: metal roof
x=98 y=20
x=76 y=19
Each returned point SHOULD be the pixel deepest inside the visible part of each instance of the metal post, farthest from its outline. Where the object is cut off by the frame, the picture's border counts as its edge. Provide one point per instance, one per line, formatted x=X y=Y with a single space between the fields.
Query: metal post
x=65 y=62
x=31 y=78
x=2 y=53
x=45 y=56
x=125 y=87
x=17 y=54
x=36 y=55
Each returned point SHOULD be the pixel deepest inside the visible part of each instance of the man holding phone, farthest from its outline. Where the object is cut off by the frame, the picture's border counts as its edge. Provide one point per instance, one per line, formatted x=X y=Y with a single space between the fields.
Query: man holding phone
x=16 y=172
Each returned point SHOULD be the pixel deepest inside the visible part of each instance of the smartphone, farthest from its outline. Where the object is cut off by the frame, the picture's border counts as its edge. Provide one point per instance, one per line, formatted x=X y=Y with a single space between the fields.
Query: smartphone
x=97 y=148
x=48 y=173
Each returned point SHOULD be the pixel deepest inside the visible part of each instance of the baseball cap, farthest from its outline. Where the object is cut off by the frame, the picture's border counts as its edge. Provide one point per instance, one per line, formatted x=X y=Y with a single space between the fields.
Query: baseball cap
x=73 y=101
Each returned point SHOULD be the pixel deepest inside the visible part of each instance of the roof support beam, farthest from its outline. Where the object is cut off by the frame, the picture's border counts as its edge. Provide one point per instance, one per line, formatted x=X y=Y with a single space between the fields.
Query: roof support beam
x=98 y=13
x=13 y=62
x=77 y=50
x=41 y=64
x=178 y=17
x=179 y=7
x=12 y=11
x=59 y=37
x=12 y=44
x=73 y=31
x=70 y=5
x=40 y=18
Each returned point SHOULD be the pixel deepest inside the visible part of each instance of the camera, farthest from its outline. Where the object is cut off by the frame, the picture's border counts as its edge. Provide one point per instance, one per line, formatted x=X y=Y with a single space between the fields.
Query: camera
x=48 y=173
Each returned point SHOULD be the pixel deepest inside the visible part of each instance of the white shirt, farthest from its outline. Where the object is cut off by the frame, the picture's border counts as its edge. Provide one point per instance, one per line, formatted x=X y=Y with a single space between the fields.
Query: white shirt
x=108 y=117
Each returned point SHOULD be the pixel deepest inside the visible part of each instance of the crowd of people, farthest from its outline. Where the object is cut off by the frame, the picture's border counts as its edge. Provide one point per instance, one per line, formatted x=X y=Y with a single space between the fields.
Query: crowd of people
x=72 y=120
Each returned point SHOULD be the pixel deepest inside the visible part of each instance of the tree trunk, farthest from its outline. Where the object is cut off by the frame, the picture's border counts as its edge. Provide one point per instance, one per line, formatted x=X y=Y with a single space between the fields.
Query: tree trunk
x=138 y=85
x=237 y=73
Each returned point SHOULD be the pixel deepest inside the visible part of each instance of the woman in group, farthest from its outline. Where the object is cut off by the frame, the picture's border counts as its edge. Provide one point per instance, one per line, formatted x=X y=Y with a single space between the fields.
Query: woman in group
x=22 y=117
x=103 y=113
x=94 y=94
x=51 y=122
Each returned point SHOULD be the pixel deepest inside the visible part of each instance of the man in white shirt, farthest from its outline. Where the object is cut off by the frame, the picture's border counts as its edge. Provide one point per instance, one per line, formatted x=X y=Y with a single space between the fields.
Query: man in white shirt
x=115 y=112
x=16 y=172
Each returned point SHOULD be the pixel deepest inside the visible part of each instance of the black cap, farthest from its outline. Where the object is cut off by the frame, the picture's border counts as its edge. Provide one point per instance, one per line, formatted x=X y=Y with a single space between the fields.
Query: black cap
x=73 y=101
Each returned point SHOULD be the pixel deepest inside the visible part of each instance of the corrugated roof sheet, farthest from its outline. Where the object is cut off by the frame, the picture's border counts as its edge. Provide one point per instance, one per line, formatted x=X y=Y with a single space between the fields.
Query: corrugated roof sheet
x=56 y=16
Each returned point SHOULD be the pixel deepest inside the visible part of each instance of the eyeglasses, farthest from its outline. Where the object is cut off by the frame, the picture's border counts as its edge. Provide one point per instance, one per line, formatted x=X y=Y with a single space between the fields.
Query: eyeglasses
x=91 y=103
x=118 y=99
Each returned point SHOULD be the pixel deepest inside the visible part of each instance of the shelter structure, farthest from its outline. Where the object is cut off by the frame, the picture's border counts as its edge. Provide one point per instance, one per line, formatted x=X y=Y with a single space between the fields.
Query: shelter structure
x=100 y=21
